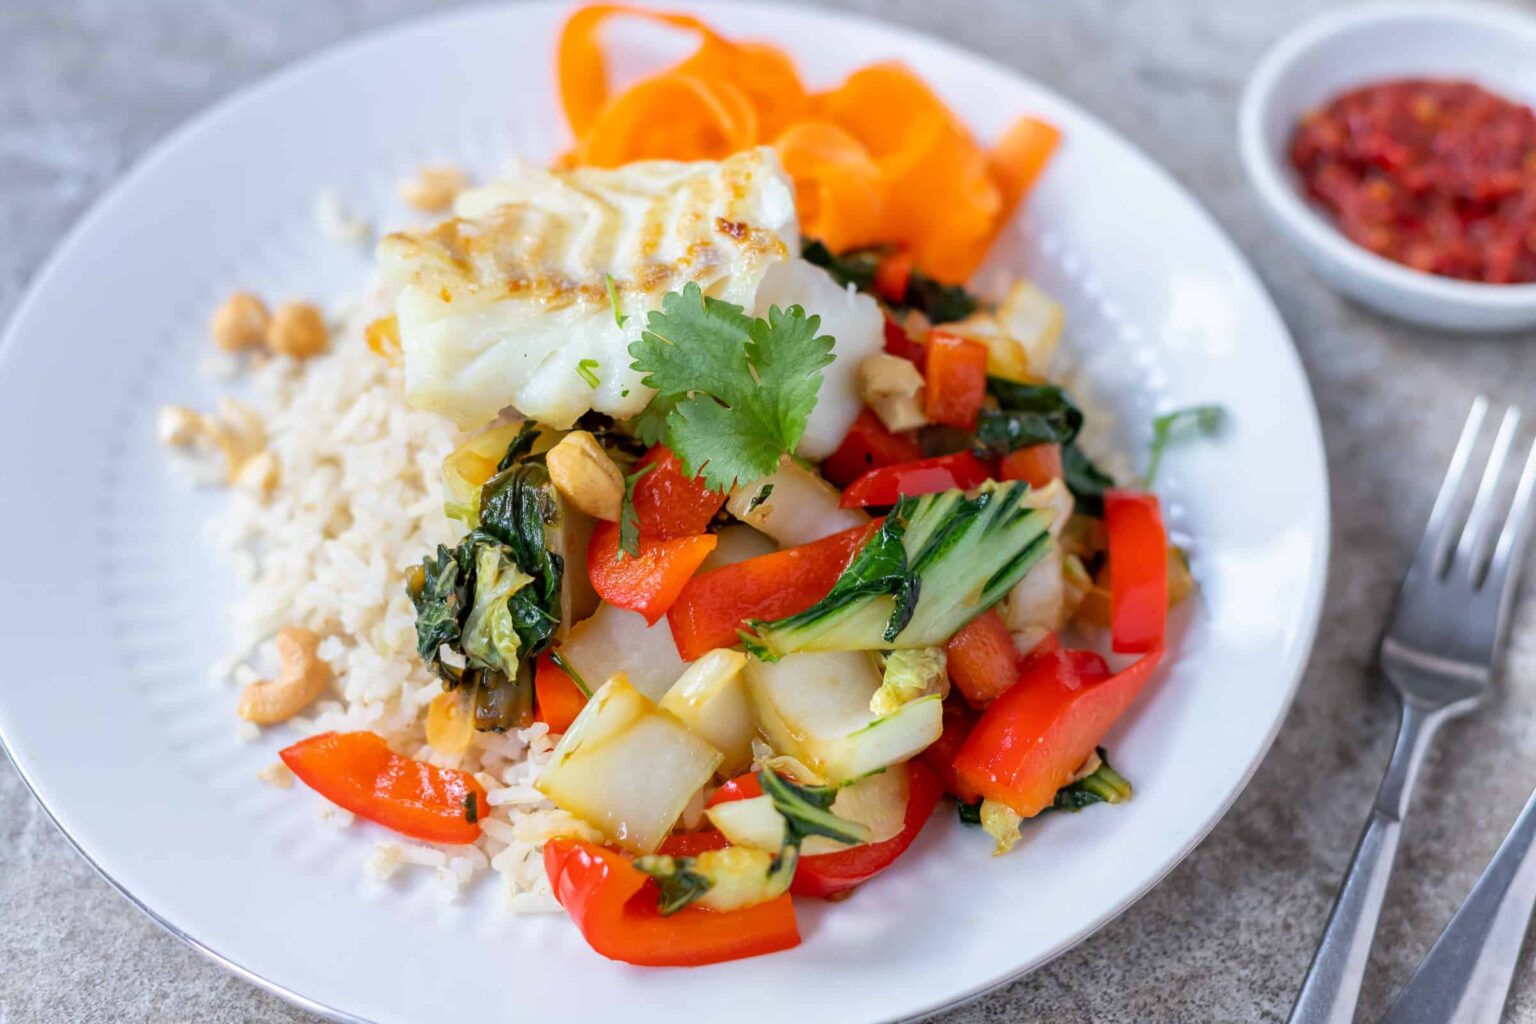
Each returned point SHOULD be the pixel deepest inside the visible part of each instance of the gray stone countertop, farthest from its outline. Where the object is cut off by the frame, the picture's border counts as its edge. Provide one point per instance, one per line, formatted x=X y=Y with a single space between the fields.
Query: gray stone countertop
x=87 y=86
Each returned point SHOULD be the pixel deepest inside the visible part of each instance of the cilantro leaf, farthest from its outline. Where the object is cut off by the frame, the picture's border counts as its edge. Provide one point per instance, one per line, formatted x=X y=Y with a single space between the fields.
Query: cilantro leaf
x=650 y=424
x=734 y=392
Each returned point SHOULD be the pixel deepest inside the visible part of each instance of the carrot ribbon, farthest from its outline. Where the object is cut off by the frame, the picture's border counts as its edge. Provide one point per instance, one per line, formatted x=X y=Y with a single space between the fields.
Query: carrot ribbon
x=878 y=161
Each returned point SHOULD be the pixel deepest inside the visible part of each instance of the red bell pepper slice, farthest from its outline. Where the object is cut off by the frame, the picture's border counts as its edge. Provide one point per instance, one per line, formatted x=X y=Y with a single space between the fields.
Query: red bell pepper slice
x=868 y=445
x=899 y=343
x=649 y=582
x=742 y=787
x=614 y=906
x=982 y=659
x=939 y=756
x=892 y=275
x=956 y=380
x=887 y=485
x=1138 y=571
x=713 y=606
x=358 y=771
x=556 y=697
x=691 y=844
x=1036 y=464
x=832 y=876
x=1031 y=739
x=669 y=504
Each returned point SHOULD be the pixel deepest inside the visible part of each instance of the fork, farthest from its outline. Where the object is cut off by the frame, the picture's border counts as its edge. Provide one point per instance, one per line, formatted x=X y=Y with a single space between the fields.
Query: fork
x=1438 y=653
x=1465 y=978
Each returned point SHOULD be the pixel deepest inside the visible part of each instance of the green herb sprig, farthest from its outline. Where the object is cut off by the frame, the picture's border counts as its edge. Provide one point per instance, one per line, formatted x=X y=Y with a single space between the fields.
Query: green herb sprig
x=733 y=392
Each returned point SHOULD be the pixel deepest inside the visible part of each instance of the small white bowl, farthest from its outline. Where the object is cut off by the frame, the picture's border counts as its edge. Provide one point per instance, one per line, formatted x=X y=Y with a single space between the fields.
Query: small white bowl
x=1494 y=47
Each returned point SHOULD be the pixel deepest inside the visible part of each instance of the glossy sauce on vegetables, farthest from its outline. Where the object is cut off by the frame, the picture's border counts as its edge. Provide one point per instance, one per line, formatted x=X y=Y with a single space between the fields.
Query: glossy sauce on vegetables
x=1437 y=175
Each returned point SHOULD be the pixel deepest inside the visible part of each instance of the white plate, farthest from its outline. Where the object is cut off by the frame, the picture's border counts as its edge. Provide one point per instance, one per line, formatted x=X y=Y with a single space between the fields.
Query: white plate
x=111 y=612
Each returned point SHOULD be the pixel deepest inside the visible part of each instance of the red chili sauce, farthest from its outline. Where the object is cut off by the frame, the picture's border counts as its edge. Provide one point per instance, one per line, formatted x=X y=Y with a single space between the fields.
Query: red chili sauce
x=1438 y=175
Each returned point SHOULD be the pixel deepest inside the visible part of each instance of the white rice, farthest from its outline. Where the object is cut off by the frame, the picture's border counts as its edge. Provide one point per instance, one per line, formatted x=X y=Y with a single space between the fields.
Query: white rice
x=358 y=503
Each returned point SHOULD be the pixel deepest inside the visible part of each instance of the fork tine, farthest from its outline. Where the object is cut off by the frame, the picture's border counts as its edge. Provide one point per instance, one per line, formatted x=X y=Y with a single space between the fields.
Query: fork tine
x=1472 y=548
x=1517 y=530
x=1435 y=547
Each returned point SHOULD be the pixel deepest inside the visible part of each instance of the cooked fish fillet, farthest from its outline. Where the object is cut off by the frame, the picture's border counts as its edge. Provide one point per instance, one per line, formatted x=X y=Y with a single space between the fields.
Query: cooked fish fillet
x=507 y=303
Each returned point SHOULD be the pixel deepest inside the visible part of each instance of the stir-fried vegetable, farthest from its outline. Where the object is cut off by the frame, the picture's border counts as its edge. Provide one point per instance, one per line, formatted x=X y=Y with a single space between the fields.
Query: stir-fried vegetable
x=793 y=505
x=1086 y=480
x=668 y=503
x=711 y=699
x=936 y=563
x=1100 y=784
x=1025 y=415
x=816 y=707
x=869 y=445
x=1035 y=464
x=1138 y=571
x=955 y=380
x=983 y=661
x=597 y=887
x=613 y=641
x=557 y=695
x=1095 y=782
x=894 y=805
x=939 y=302
x=497 y=599
x=908 y=675
x=730 y=878
x=467 y=469
x=889 y=484
x=489 y=638
x=627 y=767
x=1031 y=740
x=650 y=581
x=358 y=771
x=771 y=819
x=715 y=606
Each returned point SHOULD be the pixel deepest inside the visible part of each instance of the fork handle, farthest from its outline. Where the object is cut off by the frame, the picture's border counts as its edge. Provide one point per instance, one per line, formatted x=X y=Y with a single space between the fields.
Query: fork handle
x=1332 y=986
x=1466 y=976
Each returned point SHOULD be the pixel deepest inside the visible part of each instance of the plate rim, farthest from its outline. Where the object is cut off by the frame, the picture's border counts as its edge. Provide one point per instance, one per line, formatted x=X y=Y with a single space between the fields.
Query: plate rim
x=340 y=49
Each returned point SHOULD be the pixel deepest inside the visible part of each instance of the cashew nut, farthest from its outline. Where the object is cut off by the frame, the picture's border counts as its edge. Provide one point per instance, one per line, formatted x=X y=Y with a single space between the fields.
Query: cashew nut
x=236 y=433
x=302 y=677
x=882 y=375
x=298 y=330
x=893 y=388
x=585 y=475
x=240 y=323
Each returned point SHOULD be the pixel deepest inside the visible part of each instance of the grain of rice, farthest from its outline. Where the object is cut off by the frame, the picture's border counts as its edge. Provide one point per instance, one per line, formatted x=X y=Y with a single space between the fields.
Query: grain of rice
x=382 y=864
x=276 y=774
